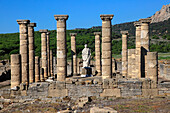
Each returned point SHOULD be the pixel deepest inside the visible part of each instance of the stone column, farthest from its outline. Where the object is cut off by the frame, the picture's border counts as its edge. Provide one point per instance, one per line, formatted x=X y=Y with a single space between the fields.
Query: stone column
x=78 y=66
x=138 y=49
x=97 y=53
x=54 y=66
x=51 y=63
x=124 y=53
x=48 y=53
x=37 y=69
x=23 y=26
x=41 y=71
x=106 y=46
x=131 y=63
x=61 y=47
x=15 y=70
x=31 y=52
x=152 y=66
x=74 y=54
x=144 y=44
x=44 y=52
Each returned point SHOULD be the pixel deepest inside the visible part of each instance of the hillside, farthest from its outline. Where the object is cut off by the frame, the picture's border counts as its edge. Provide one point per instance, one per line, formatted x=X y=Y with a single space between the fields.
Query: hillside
x=9 y=43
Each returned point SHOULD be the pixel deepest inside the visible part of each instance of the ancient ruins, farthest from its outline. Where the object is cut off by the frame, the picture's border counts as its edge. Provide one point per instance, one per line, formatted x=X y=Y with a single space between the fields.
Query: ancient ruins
x=137 y=74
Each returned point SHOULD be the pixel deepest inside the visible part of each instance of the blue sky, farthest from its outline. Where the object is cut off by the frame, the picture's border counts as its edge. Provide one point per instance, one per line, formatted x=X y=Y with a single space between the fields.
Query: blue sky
x=82 y=13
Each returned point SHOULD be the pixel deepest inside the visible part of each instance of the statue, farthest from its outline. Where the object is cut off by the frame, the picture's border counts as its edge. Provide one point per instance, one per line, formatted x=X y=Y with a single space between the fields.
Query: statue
x=86 y=55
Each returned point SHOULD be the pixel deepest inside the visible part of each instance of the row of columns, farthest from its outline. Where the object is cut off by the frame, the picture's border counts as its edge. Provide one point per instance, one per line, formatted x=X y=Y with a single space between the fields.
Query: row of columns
x=139 y=62
x=26 y=66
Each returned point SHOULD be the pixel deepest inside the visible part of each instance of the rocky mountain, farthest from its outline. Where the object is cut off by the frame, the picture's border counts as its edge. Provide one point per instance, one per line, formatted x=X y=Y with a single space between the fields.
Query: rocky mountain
x=163 y=14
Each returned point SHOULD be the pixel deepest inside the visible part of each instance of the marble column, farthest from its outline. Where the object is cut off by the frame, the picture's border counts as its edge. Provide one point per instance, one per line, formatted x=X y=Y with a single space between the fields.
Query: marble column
x=31 y=52
x=152 y=66
x=23 y=26
x=74 y=54
x=61 y=47
x=51 y=63
x=144 y=44
x=44 y=52
x=48 y=53
x=15 y=70
x=37 y=69
x=106 y=46
x=138 y=49
x=97 y=53
x=124 y=53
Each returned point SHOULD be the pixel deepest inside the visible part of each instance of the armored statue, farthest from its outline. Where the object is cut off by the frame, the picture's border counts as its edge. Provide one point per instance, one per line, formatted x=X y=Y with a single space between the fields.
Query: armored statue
x=86 y=55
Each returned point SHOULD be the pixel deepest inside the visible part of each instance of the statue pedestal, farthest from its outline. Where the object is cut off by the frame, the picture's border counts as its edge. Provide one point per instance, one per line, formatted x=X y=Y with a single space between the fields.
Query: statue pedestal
x=86 y=72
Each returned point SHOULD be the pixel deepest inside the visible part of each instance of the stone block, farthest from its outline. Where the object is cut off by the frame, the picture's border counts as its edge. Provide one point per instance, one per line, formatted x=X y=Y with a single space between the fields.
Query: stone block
x=58 y=92
x=149 y=92
x=102 y=110
x=111 y=92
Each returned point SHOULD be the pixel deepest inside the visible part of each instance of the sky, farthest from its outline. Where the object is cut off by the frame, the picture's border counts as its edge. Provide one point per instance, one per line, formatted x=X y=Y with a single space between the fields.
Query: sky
x=82 y=13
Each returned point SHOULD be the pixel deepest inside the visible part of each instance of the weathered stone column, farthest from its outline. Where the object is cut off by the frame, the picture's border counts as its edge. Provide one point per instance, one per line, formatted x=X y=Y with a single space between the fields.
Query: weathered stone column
x=44 y=52
x=51 y=63
x=152 y=66
x=74 y=54
x=106 y=46
x=138 y=49
x=124 y=53
x=144 y=44
x=97 y=53
x=131 y=63
x=37 y=69
x=61 y=47
x=54 y=66
x=78 y=66
x=31 y=52
x=15 y=70
x=23 y=26
x=48 y=53
x=41 y=71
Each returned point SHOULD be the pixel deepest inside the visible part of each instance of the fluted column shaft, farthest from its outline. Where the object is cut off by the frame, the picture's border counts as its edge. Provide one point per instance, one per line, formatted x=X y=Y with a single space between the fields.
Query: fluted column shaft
x=23 y=26
x=37 y=69
x=48 y=53
x=97 y=53
x=61 y=47
x=51 y=63
x=31 y=52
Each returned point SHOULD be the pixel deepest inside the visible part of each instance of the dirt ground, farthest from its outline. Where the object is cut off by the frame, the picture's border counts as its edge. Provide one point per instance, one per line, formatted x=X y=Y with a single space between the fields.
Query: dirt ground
x=142 y=105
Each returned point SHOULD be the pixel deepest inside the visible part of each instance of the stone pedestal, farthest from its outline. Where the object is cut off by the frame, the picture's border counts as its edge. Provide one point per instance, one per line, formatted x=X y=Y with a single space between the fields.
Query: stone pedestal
x=37 y=69
x=44 y=52
x=124 y=53
x=61 y=47
x=15 y=70
x=152 y=66
x=86 y=72
x=97 y=53
x=73 y=51
x=23 y=26
x=31 y=52
x=138 y=49
x=106 y=46
x=51 y=63
x=48 y=53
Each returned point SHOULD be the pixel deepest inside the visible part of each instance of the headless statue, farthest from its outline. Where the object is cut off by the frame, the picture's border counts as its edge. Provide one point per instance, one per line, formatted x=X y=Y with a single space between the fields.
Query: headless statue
x=86 y=55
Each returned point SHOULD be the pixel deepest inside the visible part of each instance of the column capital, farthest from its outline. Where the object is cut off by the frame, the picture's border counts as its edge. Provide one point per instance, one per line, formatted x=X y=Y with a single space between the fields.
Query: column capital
x=73 y=34
x=137 y=24
x=32 y=25
x=145 y=20
x=23 y=21
x=106 y=16
x=97 y=33
x=48 y=33
x=43 y=30
x=124 y=32
x=61 y=17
